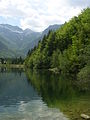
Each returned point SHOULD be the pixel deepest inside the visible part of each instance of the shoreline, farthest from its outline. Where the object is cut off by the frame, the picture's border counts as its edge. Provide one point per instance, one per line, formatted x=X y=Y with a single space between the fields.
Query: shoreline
x=11 y=66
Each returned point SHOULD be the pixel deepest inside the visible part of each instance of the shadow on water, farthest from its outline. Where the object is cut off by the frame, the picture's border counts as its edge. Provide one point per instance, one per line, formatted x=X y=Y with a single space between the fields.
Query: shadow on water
x=60 y=91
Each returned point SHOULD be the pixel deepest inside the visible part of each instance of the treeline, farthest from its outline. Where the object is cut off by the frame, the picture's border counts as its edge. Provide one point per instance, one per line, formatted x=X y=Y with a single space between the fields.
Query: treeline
x=19 y=60
x=67 y=49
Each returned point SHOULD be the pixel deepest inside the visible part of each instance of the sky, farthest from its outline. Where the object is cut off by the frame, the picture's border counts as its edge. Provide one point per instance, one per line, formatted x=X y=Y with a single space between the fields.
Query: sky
x=39 y=14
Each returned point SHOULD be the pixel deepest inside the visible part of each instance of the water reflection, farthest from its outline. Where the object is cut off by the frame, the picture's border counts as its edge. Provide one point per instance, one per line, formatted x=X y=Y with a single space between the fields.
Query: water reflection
x=14 y=88
x=2 y=69
x=19 y=100
x=60 y=91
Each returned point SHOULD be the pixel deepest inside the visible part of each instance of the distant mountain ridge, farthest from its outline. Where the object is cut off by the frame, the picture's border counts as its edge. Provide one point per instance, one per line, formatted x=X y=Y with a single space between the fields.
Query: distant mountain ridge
x=10 y=27
x=19 y=41
x=51 y=27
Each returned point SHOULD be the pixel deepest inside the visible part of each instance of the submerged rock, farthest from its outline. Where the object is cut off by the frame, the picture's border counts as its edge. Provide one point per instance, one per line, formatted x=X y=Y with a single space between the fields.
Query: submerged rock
x=55 y=70
x=85 y=116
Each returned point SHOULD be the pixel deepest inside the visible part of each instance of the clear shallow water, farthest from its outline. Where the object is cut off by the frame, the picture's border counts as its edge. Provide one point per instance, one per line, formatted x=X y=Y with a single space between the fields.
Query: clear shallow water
x=20 y=101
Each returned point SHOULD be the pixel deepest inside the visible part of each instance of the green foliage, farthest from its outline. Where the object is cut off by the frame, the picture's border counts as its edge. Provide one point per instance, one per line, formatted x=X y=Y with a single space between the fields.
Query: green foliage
x=67 y=49
x=55 y=59
x=84 y=74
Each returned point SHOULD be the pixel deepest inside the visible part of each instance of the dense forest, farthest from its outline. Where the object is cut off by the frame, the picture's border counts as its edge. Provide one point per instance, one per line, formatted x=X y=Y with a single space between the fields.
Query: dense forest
x=67 y=49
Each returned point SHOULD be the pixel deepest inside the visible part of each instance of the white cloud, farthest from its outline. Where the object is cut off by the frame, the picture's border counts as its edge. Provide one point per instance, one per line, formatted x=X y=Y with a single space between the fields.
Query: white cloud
x=39 y=14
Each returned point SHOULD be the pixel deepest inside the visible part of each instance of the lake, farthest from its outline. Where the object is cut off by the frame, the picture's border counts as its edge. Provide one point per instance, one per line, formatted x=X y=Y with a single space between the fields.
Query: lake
x=41 y=95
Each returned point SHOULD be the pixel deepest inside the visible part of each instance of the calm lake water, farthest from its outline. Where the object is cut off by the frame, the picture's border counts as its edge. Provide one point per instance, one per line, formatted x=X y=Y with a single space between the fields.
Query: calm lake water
x=40 y=95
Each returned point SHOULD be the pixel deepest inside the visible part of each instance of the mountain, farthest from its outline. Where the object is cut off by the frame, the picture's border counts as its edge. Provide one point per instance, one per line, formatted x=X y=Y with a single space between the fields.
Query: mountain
x=16 y=36
x=51 y=27
x=17 y=39
x=11 y=34
x=11 y=28
x=20 y=41
x=67 y=50
x=29 y=40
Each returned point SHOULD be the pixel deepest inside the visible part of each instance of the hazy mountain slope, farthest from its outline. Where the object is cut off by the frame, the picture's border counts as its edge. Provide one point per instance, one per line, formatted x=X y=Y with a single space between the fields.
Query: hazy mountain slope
x=11 y=28
x=17 y=39
x=29 y=41
x=40 y=36
x=2 y=46
x=11 y=35
x=4 y=50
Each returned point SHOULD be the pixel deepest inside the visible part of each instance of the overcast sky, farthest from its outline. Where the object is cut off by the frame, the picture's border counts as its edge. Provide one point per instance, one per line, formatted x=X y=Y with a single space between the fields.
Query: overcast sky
x=39 y=14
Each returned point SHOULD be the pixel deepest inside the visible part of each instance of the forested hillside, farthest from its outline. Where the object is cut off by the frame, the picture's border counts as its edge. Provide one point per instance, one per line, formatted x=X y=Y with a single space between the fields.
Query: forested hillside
x=67 y=49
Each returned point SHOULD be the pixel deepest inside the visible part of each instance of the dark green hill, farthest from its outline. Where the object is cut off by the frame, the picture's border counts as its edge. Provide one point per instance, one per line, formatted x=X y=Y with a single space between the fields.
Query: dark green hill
x=67 y=49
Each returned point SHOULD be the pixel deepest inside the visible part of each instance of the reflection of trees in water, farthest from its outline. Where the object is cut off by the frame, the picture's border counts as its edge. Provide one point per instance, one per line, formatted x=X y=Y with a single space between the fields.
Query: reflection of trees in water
x=3 y=69
x=16 y=71
x=61 y=92
x=53 y=86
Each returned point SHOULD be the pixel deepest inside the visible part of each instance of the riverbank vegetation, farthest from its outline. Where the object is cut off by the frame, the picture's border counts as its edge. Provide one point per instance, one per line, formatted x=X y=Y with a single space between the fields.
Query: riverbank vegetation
x=67 y=49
